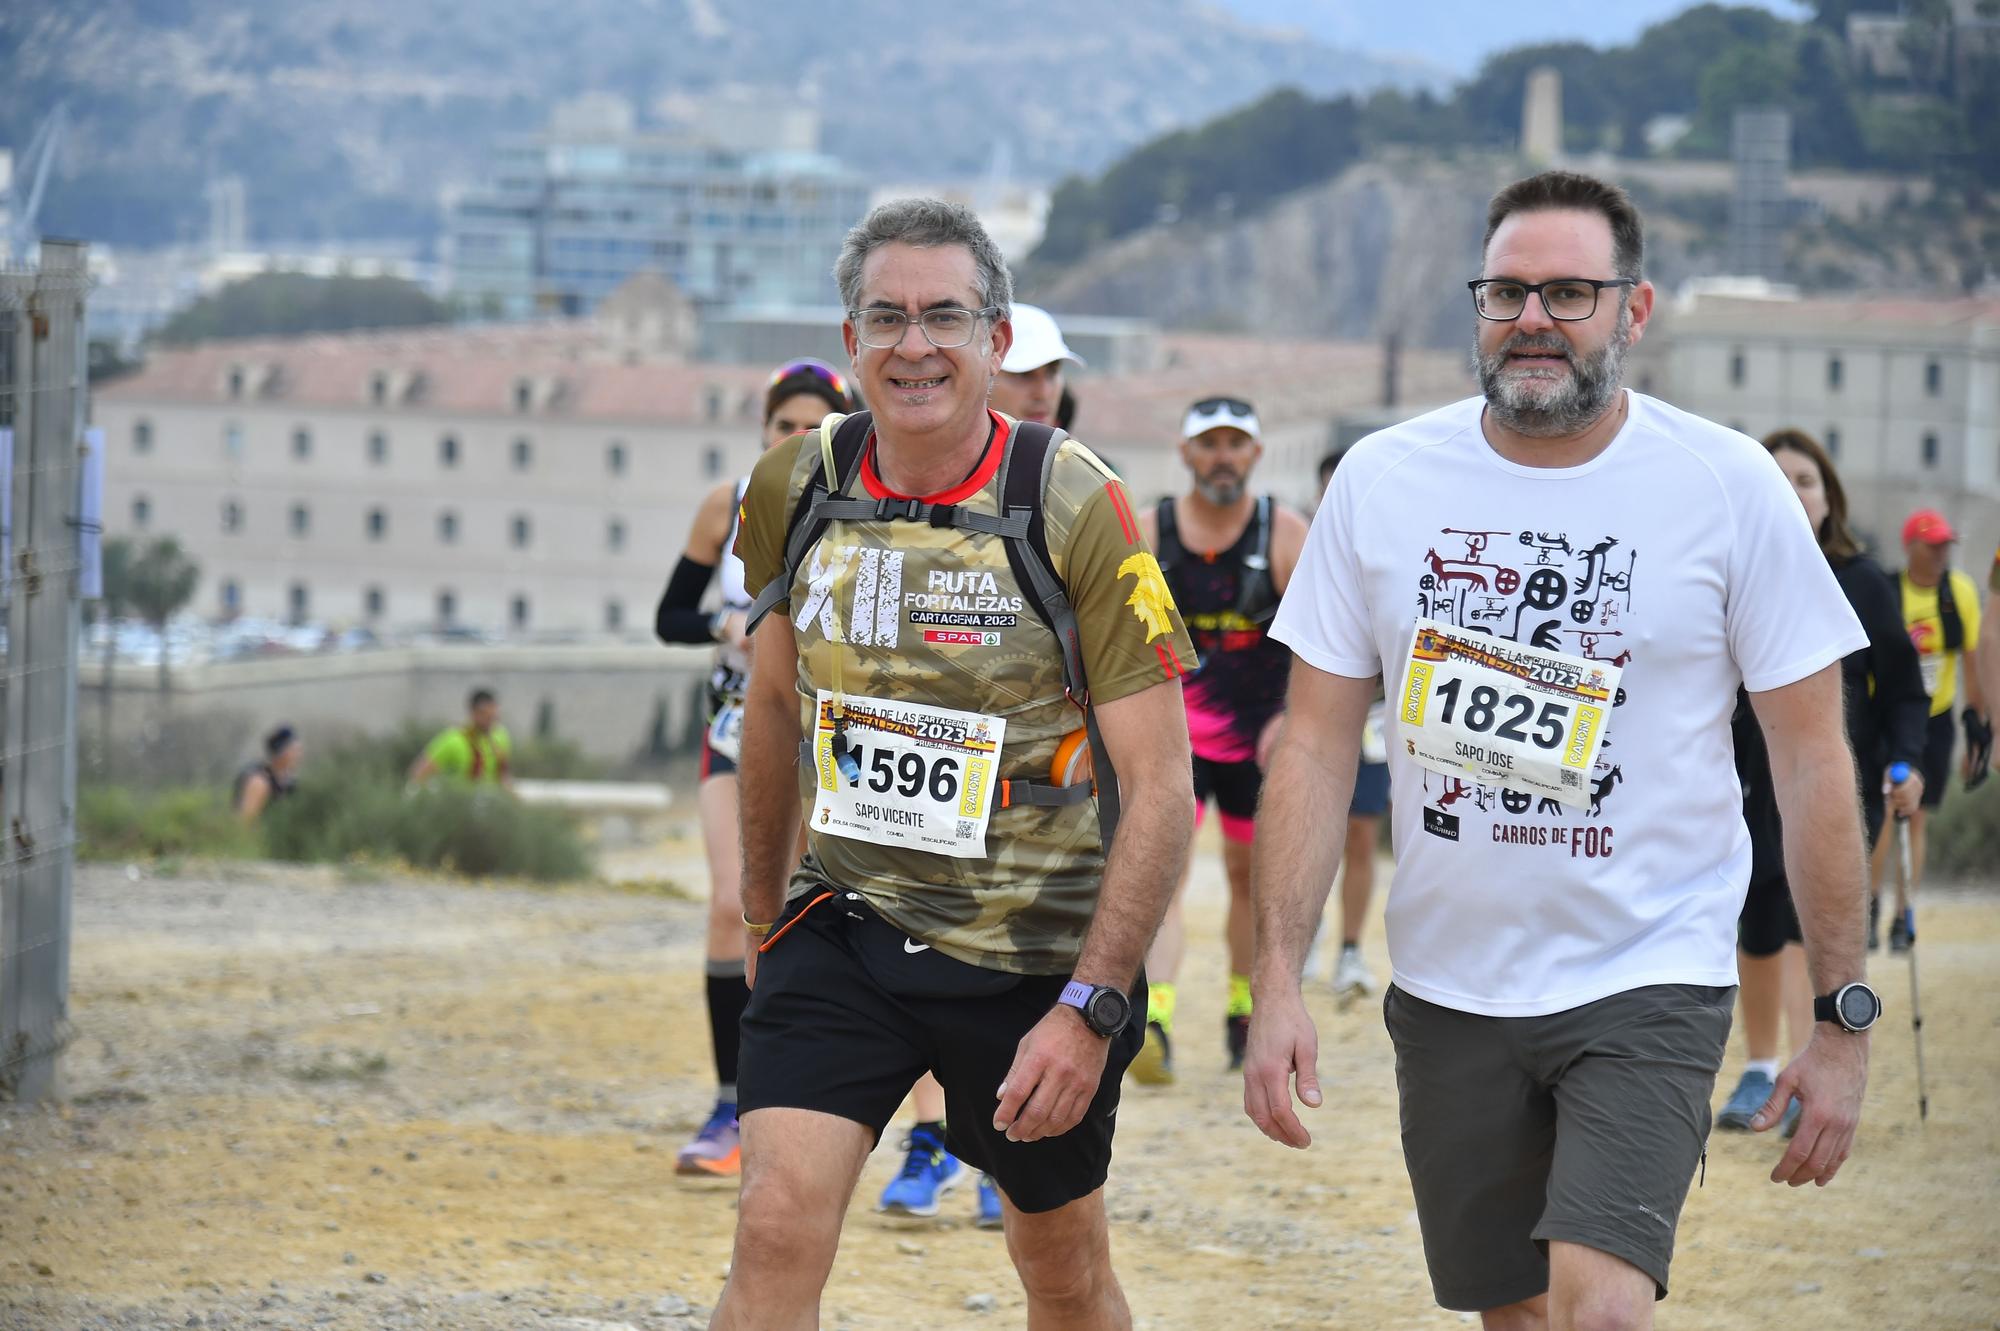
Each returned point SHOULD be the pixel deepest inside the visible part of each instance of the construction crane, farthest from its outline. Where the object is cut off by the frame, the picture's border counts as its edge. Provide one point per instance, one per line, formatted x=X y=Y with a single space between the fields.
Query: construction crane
x=30 y=180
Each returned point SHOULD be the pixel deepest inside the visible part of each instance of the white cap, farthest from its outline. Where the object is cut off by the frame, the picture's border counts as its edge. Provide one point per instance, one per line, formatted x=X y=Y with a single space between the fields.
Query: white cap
x=1212 y=413
x=1037 y=341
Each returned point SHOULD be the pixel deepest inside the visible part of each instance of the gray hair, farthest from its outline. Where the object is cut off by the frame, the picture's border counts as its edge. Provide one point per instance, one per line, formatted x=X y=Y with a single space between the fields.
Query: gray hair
x=924 y=223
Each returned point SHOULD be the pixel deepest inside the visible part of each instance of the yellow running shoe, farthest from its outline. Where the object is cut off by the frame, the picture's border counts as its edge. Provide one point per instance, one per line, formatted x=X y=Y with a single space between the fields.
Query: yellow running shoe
x=1154 y=1065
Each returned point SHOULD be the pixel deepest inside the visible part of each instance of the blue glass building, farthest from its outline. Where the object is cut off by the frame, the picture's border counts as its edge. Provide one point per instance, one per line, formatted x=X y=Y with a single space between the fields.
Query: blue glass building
x=566 y=217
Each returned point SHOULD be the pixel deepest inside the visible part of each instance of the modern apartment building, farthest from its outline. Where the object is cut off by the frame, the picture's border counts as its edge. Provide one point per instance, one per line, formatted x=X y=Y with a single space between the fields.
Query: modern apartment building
x=569 y=214
x=510 y=479
x=1905 y=393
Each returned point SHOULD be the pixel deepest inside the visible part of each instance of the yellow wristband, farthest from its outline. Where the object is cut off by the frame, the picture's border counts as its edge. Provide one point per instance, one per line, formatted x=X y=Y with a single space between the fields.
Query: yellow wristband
x=758 y=930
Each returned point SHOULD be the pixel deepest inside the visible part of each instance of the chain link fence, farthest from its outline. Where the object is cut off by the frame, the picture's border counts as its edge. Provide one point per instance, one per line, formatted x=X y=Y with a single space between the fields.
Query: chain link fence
x=42 y=397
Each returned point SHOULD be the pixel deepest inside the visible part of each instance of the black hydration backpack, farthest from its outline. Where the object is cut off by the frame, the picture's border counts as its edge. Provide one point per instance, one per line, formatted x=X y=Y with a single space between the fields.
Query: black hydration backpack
x=1024 y=480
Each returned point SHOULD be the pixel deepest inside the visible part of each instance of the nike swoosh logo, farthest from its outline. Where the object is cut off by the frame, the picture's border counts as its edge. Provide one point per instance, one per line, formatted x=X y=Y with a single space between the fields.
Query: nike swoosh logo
x=914 y=947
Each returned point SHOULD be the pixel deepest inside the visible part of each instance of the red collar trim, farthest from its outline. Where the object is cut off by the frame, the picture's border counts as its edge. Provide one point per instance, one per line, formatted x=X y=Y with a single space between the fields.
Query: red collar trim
x=989 y=464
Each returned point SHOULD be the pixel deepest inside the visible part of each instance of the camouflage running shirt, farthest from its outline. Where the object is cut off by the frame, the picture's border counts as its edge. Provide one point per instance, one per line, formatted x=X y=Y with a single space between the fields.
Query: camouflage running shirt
x=933 y=616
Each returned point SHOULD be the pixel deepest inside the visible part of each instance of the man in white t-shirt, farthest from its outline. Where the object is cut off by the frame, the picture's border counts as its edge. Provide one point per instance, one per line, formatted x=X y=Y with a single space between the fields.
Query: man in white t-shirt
x=1563 y=583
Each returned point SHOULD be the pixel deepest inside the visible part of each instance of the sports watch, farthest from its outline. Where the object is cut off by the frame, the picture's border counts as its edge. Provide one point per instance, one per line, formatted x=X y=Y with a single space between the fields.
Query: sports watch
x=1105 y=1010
x=1854 y=1006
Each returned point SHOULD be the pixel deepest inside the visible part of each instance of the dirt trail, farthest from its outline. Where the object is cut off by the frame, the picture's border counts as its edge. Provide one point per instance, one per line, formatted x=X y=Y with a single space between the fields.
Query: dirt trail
x=304 y=1101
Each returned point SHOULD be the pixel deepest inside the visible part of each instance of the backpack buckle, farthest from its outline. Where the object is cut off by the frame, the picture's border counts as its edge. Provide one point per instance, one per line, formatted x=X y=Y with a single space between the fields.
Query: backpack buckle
x=909 y=510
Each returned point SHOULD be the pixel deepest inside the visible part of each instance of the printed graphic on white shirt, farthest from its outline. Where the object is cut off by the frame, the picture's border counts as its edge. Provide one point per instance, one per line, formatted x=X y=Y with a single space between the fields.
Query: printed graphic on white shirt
x=905 y=774
x=1563 y=594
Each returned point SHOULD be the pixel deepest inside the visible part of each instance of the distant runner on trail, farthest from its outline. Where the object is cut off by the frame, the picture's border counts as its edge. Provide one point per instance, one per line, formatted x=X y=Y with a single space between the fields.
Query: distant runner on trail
x=477 y=752
x=798 y=397
x=1227 y=554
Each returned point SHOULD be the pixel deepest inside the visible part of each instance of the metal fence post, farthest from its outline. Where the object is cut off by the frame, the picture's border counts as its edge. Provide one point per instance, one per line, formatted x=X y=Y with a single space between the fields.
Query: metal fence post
x=42 y=315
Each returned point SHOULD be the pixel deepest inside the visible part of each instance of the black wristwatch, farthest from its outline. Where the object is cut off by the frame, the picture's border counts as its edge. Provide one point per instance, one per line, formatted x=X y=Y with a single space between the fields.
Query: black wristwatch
x=1854 y=1007
x=1105 y=1010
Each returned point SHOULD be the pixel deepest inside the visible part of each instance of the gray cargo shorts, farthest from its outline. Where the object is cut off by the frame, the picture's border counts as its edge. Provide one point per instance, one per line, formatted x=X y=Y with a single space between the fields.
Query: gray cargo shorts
x=1582 y=1126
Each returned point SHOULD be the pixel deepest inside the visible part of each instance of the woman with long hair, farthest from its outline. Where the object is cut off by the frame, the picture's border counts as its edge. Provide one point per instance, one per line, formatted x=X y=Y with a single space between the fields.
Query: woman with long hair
x=800 y=395
x=1887 y=711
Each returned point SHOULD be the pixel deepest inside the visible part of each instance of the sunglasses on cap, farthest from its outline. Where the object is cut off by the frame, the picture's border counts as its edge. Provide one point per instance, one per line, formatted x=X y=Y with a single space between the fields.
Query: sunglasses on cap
x=1231 y=406
x=818 y=369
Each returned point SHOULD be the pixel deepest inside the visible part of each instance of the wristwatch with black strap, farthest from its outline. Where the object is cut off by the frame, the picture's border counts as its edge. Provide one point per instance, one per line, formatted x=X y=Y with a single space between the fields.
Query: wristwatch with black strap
x=1853 y=1007
x=1104 y=1009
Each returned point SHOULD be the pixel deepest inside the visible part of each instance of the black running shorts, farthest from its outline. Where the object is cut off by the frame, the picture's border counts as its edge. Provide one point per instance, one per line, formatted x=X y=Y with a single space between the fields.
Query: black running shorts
x=1940 y=738
x=845 y=1017
x=1582 y=1126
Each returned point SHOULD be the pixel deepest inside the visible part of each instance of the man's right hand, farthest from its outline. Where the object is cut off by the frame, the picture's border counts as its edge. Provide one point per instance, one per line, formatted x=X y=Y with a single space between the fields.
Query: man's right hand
x=1283 y=1043
x=1905 y=795
x=750 y=944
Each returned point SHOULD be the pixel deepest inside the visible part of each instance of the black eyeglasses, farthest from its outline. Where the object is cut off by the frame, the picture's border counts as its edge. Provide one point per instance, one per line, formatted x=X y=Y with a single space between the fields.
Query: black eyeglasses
x=1565 y=298
x=1234 y=406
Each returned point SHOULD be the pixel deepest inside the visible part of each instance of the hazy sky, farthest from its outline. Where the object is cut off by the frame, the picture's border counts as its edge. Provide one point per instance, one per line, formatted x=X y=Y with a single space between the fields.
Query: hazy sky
x=1457 y=34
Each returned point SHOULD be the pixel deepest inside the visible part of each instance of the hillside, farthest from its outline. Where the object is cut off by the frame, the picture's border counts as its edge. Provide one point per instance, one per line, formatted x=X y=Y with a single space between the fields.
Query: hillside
x=1671 y=94
x=347 y=117
x=1385 y=247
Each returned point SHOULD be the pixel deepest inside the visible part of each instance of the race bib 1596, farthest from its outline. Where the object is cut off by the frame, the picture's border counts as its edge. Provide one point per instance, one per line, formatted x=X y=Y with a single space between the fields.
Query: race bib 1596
x=906 y=774
x=1504 y=713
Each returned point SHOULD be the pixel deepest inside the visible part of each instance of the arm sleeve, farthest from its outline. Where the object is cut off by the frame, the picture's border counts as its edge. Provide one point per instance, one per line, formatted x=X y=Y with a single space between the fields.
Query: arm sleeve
x=1786 y=616
x=1324 y=616
x=1902 y=708
x=1132 y=632
x=679 y=618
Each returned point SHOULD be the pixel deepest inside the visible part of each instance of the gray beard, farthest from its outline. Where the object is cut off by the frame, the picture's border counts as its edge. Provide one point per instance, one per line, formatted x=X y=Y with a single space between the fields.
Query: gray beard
x=1519 y=403
x=1223 y=493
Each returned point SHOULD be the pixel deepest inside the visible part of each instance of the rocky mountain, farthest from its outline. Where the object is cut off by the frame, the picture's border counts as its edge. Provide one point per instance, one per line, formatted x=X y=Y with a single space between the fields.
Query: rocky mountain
x=1384 y=248
x=348 y=117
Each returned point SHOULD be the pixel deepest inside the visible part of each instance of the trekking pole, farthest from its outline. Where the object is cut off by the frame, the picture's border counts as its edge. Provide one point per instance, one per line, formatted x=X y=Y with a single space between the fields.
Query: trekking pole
x=1908 y=890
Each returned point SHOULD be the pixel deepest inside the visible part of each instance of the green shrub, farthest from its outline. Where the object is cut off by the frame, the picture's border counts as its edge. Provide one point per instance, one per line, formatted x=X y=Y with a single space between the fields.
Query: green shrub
x=1965 y=834
x=476 y=831
x=556 y=760
x=114 y=822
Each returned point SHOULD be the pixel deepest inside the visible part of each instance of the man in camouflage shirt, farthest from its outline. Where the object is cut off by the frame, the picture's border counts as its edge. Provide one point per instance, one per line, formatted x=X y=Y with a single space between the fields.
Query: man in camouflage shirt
x=941 y=921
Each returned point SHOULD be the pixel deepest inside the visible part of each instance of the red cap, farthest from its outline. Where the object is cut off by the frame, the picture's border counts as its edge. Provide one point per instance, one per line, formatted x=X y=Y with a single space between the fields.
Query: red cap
x=1928 y=526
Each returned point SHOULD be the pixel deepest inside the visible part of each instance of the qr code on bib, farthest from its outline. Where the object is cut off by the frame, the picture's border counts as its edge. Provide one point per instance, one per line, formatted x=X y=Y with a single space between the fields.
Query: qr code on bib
x=965 y=827
x=1572 y=780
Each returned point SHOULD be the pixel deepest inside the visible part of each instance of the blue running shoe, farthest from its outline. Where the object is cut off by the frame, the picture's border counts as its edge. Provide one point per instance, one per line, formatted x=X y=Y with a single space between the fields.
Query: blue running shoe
x=1744 y=1102
x=717 y=1150
x=989 y=1205
x=929 y=1172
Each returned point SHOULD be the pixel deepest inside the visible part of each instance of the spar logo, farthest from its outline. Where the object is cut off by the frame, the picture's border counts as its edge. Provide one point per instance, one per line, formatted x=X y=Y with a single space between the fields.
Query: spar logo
x=961 y=638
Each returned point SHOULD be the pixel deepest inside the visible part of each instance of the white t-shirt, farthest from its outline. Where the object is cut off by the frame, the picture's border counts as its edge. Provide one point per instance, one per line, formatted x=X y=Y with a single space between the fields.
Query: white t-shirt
x=1679 y=552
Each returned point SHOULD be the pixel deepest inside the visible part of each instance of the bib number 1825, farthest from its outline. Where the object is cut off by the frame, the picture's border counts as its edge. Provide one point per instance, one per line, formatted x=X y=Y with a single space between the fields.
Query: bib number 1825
x=1507 y=715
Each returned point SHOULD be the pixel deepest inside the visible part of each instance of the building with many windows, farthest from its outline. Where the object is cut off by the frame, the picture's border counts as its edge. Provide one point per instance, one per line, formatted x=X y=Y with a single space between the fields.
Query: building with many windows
x=505 y=479
x=1905 y=394
x=541 y=479
x=568 y=215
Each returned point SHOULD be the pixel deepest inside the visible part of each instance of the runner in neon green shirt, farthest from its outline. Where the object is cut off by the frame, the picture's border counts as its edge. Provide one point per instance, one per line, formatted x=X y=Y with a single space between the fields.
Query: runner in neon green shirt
x=477 y=752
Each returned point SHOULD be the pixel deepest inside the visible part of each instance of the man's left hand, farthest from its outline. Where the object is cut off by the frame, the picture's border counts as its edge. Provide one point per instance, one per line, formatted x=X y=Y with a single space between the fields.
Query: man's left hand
x=1978 y=746
x=1828 y=1078
x=1056 y=1072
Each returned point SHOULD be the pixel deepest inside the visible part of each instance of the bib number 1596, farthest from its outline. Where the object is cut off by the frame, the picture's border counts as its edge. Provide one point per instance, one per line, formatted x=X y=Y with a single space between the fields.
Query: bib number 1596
x=908 y=772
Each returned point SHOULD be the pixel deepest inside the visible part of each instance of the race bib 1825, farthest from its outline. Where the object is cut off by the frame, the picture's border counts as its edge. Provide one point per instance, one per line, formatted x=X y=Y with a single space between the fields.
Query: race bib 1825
x=906 y=774
x=1504 y=713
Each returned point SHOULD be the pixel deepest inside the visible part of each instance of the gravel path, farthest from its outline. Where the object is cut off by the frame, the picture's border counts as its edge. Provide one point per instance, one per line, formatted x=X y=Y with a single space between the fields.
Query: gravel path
x=300 y=1100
